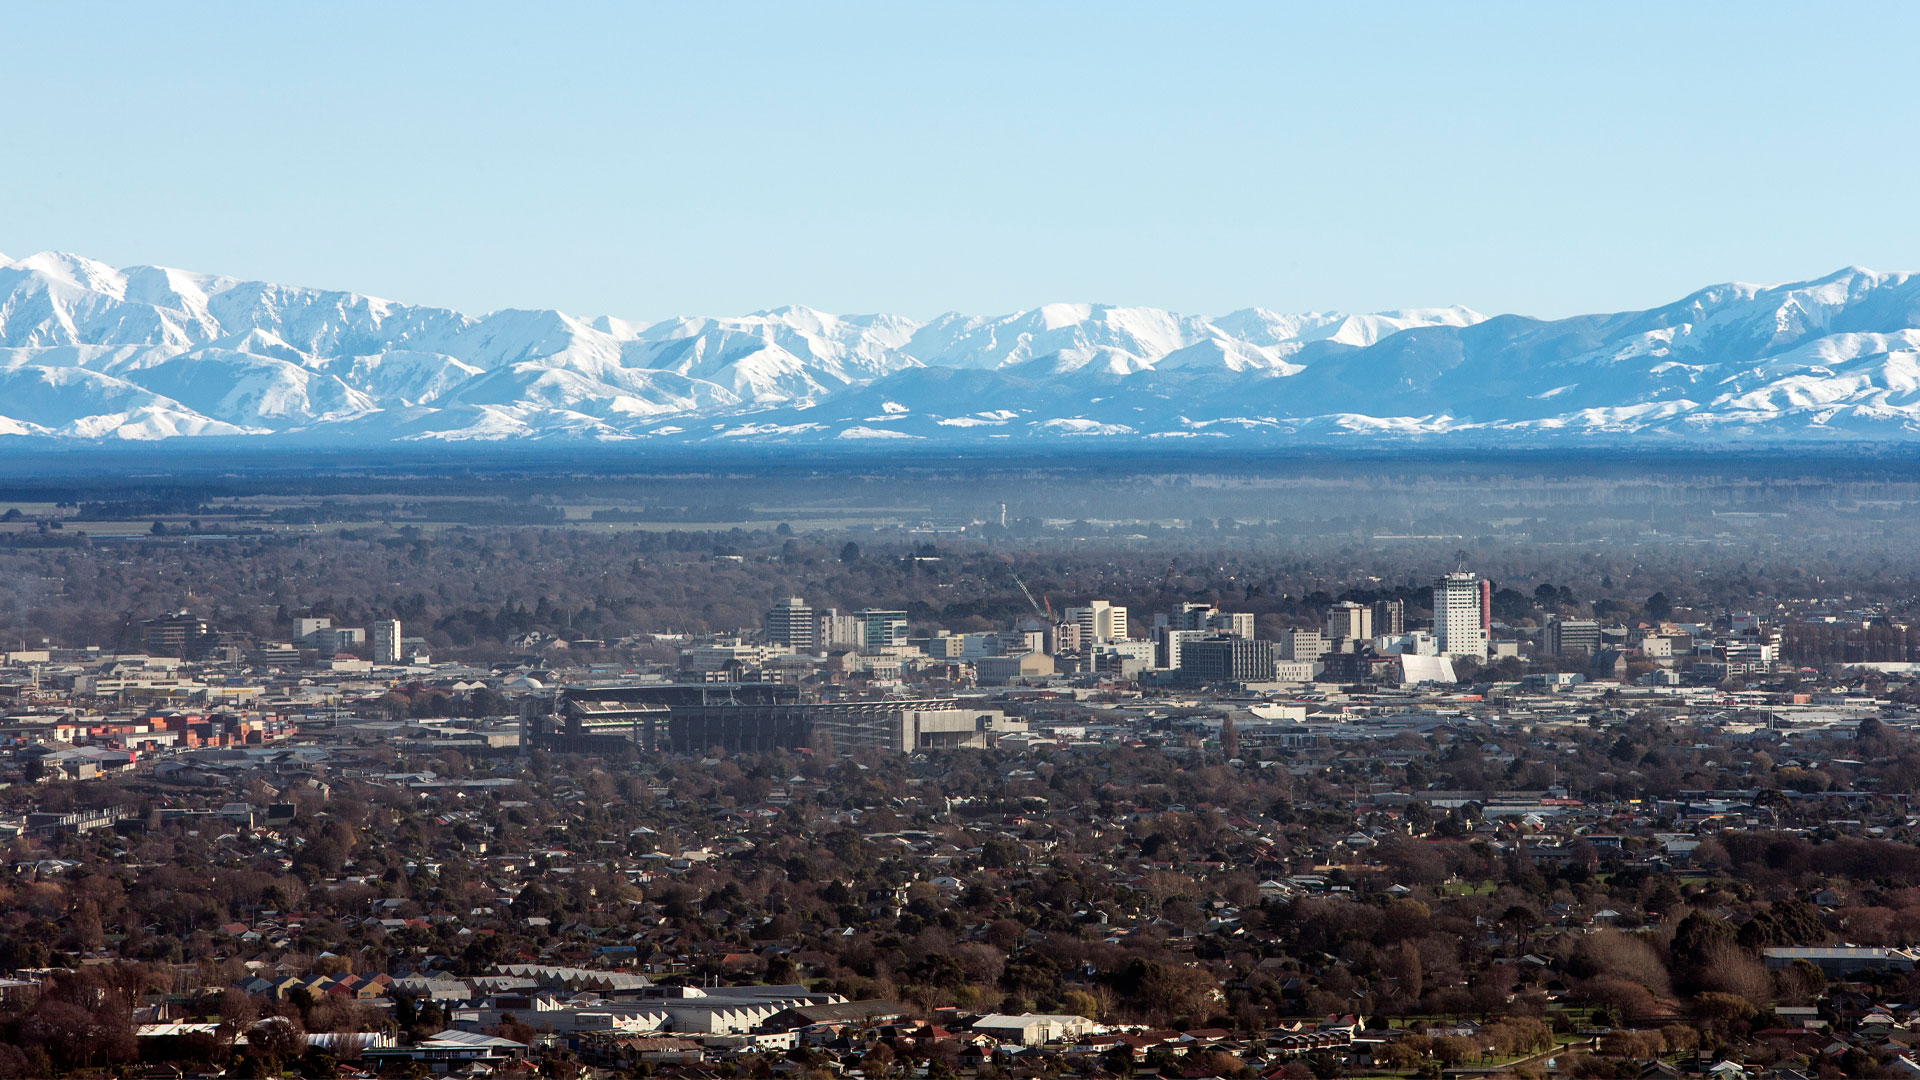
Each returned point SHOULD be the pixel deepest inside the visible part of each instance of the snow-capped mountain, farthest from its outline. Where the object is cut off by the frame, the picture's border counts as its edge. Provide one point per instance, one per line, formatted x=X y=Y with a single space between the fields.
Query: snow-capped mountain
x=90 y=352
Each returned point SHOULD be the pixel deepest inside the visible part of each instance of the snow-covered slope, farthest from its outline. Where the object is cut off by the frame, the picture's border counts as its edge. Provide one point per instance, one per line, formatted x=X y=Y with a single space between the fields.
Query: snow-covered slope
x=91 y=352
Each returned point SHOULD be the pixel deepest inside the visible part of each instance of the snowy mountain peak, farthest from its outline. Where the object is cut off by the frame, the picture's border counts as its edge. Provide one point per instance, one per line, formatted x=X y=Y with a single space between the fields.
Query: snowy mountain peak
x=1055 y=316
x=76 y=271
x=91 y=352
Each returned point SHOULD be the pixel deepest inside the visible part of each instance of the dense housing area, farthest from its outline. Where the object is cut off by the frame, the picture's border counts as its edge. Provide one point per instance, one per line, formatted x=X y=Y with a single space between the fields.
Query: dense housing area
x=950 y=800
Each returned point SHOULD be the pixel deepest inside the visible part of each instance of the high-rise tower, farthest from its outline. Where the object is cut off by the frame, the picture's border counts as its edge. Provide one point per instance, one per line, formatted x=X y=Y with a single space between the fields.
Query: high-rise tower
x=790 y=623
x=1462 y=614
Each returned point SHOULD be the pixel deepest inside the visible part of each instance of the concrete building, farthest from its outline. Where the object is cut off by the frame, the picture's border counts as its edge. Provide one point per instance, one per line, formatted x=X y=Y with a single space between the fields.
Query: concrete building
x=1745 y=655
x=881 y=629
x=331 y=640
x=1233 y=623
x=790 y=623
x=1298 y=671
x=1462 y=614
x=1608 y=664
x=1207 y=618
x=720 y=657
x=1566 y=636
x=1022 y=640
x=1002 y=670
x=171 y=635
x=1389 y=617
x=383 y=636
x=975 y=646
x=1100 y=622
x=945 y=646
x=1138 y=650
x=1417 y=643
x=1168 y=642
x=1064 y=637
x=1350 y=621
x=970 y=647
x=901 y=726
x=691 y=718
x=830 y=629
x=1306 y=645
x=1185 y=617
x=1226 y=659
x=1348 y=665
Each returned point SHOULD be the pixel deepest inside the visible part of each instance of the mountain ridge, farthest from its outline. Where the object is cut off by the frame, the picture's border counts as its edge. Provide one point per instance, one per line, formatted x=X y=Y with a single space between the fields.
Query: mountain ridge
x=90 y=353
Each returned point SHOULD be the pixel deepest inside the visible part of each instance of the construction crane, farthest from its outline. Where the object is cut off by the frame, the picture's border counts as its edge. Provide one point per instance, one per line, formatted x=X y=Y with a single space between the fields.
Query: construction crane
x=1026 y=592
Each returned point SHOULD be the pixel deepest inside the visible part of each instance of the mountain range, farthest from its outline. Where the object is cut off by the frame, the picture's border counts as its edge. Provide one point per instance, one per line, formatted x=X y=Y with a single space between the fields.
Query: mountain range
x=90 y=353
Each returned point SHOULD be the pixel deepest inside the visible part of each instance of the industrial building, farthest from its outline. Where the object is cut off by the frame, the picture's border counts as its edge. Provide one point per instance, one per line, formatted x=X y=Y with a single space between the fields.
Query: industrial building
x=744 y=717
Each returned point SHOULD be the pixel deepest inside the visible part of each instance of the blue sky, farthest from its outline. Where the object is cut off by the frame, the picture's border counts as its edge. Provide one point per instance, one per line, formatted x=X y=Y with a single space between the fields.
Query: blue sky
x=645 y=161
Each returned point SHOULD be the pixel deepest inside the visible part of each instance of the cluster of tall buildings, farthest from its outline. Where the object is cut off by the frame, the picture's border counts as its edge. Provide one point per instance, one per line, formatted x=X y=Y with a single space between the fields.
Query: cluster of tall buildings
x=1350 y=621
x=1199 y=640
x=1195 y=642
x=188 y=636
x=795 y=624
x=1179 y=632
x=381 y=637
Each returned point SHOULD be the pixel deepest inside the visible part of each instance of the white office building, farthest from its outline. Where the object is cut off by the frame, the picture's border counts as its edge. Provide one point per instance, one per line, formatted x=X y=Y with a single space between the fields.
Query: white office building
x=1100 y=622
x=1462 y=617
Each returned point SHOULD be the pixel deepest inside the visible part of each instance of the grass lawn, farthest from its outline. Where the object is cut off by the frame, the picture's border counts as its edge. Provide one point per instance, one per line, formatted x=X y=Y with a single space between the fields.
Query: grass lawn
x=1469 y=888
